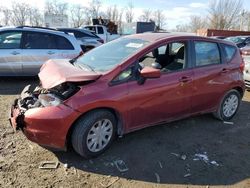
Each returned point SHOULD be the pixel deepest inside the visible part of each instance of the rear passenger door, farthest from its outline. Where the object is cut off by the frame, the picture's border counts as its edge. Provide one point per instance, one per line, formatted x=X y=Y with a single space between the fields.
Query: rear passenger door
x=10 y=53
x=210 y=76
x=38 y=47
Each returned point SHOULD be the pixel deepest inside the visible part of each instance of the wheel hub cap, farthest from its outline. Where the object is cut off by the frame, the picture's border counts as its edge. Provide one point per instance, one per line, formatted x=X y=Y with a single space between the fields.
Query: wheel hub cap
x=99 y=135
x=230 y=105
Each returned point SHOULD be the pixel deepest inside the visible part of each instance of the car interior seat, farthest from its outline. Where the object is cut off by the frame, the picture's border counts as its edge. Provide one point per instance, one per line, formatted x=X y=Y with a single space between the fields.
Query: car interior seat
x=179 y=60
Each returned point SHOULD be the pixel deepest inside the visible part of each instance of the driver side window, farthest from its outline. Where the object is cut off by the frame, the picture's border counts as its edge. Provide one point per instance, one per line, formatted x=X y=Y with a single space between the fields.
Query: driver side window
x=169 y=57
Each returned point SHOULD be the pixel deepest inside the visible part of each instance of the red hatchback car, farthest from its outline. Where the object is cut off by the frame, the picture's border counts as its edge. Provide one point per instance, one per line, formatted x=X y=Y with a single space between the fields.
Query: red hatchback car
x=130 y=83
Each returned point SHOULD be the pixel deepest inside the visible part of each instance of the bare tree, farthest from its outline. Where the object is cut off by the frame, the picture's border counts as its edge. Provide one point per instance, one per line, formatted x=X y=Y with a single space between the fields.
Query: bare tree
x=182 y=28
x=77 y=15
x=120 y=20
x=159 y=19
x=6 y=15
x=21 y=13
x=56 y=7
x=244 y=21
x=146 y=15
x=129 y=12
x=112 y=13
x=94 y=8
x=224 y=14
x=196 y=22
x=35 y=17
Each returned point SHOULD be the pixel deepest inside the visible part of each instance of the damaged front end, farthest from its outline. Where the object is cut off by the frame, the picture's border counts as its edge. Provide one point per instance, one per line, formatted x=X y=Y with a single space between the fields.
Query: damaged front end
x=39 y=98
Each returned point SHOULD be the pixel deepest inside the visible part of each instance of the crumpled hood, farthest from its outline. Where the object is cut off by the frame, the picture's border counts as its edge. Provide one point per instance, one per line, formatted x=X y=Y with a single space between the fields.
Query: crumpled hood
x=58 y=71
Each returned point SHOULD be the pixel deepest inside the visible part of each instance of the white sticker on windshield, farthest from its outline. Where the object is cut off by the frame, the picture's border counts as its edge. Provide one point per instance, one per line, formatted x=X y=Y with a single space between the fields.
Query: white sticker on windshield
x=134 y=45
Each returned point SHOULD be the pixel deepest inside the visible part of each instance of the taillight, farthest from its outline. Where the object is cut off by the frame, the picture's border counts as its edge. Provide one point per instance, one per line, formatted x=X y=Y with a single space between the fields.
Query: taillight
x=101 y=40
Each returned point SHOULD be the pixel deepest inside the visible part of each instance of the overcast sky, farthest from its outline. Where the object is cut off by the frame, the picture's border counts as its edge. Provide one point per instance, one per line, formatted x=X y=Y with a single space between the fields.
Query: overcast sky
x=176 y=11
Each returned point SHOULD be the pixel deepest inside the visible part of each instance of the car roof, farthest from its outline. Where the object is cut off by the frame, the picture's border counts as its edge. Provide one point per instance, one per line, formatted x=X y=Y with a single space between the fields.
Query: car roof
x=239 y=36
x=73 y=29
x=25 y=28
x=154 y=36
x=80 y=30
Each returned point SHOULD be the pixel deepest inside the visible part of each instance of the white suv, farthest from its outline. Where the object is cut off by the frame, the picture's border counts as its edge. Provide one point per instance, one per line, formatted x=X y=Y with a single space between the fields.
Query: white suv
x=23 y=50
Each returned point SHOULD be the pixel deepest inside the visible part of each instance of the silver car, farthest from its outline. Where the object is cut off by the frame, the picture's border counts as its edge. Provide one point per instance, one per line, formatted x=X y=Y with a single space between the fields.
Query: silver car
x=247 y=72
x=23 y=50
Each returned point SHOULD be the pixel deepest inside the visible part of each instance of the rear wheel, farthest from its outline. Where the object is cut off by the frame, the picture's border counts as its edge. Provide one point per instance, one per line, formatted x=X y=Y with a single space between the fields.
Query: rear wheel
x=93 y=133
x=228 y=106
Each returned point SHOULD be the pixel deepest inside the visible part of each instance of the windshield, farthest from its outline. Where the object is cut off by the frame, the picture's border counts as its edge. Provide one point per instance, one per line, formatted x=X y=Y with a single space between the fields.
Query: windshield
x=107 y=56
x=236 y=39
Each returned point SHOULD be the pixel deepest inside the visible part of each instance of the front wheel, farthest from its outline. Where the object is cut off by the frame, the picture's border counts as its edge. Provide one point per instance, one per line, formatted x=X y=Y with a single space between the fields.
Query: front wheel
x=228 y=106
x=93 y=133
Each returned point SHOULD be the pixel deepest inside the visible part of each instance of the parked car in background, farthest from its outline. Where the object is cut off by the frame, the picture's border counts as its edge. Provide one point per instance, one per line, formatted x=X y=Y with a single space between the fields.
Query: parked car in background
x=247 y=71
x=240 y=41
x=23 y=50
x=218 y=37
x=87 y=39
x=245 y=50
x=128 y=84
x=102 y=32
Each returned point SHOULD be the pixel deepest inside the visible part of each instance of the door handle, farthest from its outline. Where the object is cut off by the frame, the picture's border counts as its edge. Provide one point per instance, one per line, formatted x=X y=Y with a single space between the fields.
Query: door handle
x=224 y=70
x=15 y=53
x=50 y=52
x=185 y=79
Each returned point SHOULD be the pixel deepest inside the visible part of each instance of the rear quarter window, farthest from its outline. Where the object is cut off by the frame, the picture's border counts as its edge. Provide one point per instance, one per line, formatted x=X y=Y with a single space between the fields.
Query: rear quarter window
x=63 y=43
x=229 y=52
x=206 y=53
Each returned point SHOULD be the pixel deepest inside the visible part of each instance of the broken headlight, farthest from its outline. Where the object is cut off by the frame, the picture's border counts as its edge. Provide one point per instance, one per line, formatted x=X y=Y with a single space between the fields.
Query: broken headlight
x=49 y=100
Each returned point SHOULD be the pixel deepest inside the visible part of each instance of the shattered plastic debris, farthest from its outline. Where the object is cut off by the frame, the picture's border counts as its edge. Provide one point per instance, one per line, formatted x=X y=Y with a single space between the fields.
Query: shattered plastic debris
x=203 y=157
x=228 y=122
x=158 y=180
x=183 y=157
x=66 y=165
x=121 y=166
x=175 y=154
x=49 y=164
x=187 y=175
x=214 y=163
x=160 y=164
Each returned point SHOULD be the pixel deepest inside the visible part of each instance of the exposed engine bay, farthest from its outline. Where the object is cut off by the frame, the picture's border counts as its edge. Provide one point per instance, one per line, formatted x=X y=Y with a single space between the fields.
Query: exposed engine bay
x=41 y=97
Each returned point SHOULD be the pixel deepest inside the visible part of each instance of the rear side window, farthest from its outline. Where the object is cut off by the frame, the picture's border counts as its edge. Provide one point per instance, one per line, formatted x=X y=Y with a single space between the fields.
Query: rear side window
x=36 y=40
x=10 y=40
x=100 y=30
x=229 y=52
x=63 y=43
x=91 y=28
x=84 y=33
x=206 y=53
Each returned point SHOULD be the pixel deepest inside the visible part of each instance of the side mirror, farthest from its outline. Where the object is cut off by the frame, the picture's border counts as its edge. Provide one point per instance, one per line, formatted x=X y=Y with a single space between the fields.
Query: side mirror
x=150 y=72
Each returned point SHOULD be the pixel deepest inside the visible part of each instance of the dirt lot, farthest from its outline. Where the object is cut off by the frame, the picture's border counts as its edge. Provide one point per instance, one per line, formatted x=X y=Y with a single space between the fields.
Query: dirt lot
x=171 y=155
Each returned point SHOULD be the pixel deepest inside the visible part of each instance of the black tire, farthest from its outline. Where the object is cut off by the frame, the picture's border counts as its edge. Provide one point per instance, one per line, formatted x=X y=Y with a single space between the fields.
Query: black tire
x=219 y=114
x=83 y=127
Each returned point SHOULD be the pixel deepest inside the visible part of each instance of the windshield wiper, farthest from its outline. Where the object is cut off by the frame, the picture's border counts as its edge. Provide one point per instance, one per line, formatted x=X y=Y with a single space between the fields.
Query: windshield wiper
x=80 y=65
x=72 y=61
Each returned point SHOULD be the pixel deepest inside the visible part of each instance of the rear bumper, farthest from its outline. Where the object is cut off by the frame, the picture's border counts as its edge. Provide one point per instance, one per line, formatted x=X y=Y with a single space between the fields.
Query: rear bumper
x=47 y=126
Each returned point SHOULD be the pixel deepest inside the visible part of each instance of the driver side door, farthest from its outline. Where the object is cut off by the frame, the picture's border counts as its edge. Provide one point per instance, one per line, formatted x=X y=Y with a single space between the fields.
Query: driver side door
x=161 y=99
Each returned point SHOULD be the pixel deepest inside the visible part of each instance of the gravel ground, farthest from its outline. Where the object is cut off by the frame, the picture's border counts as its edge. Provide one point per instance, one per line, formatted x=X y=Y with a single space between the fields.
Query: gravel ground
x=195 y=152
